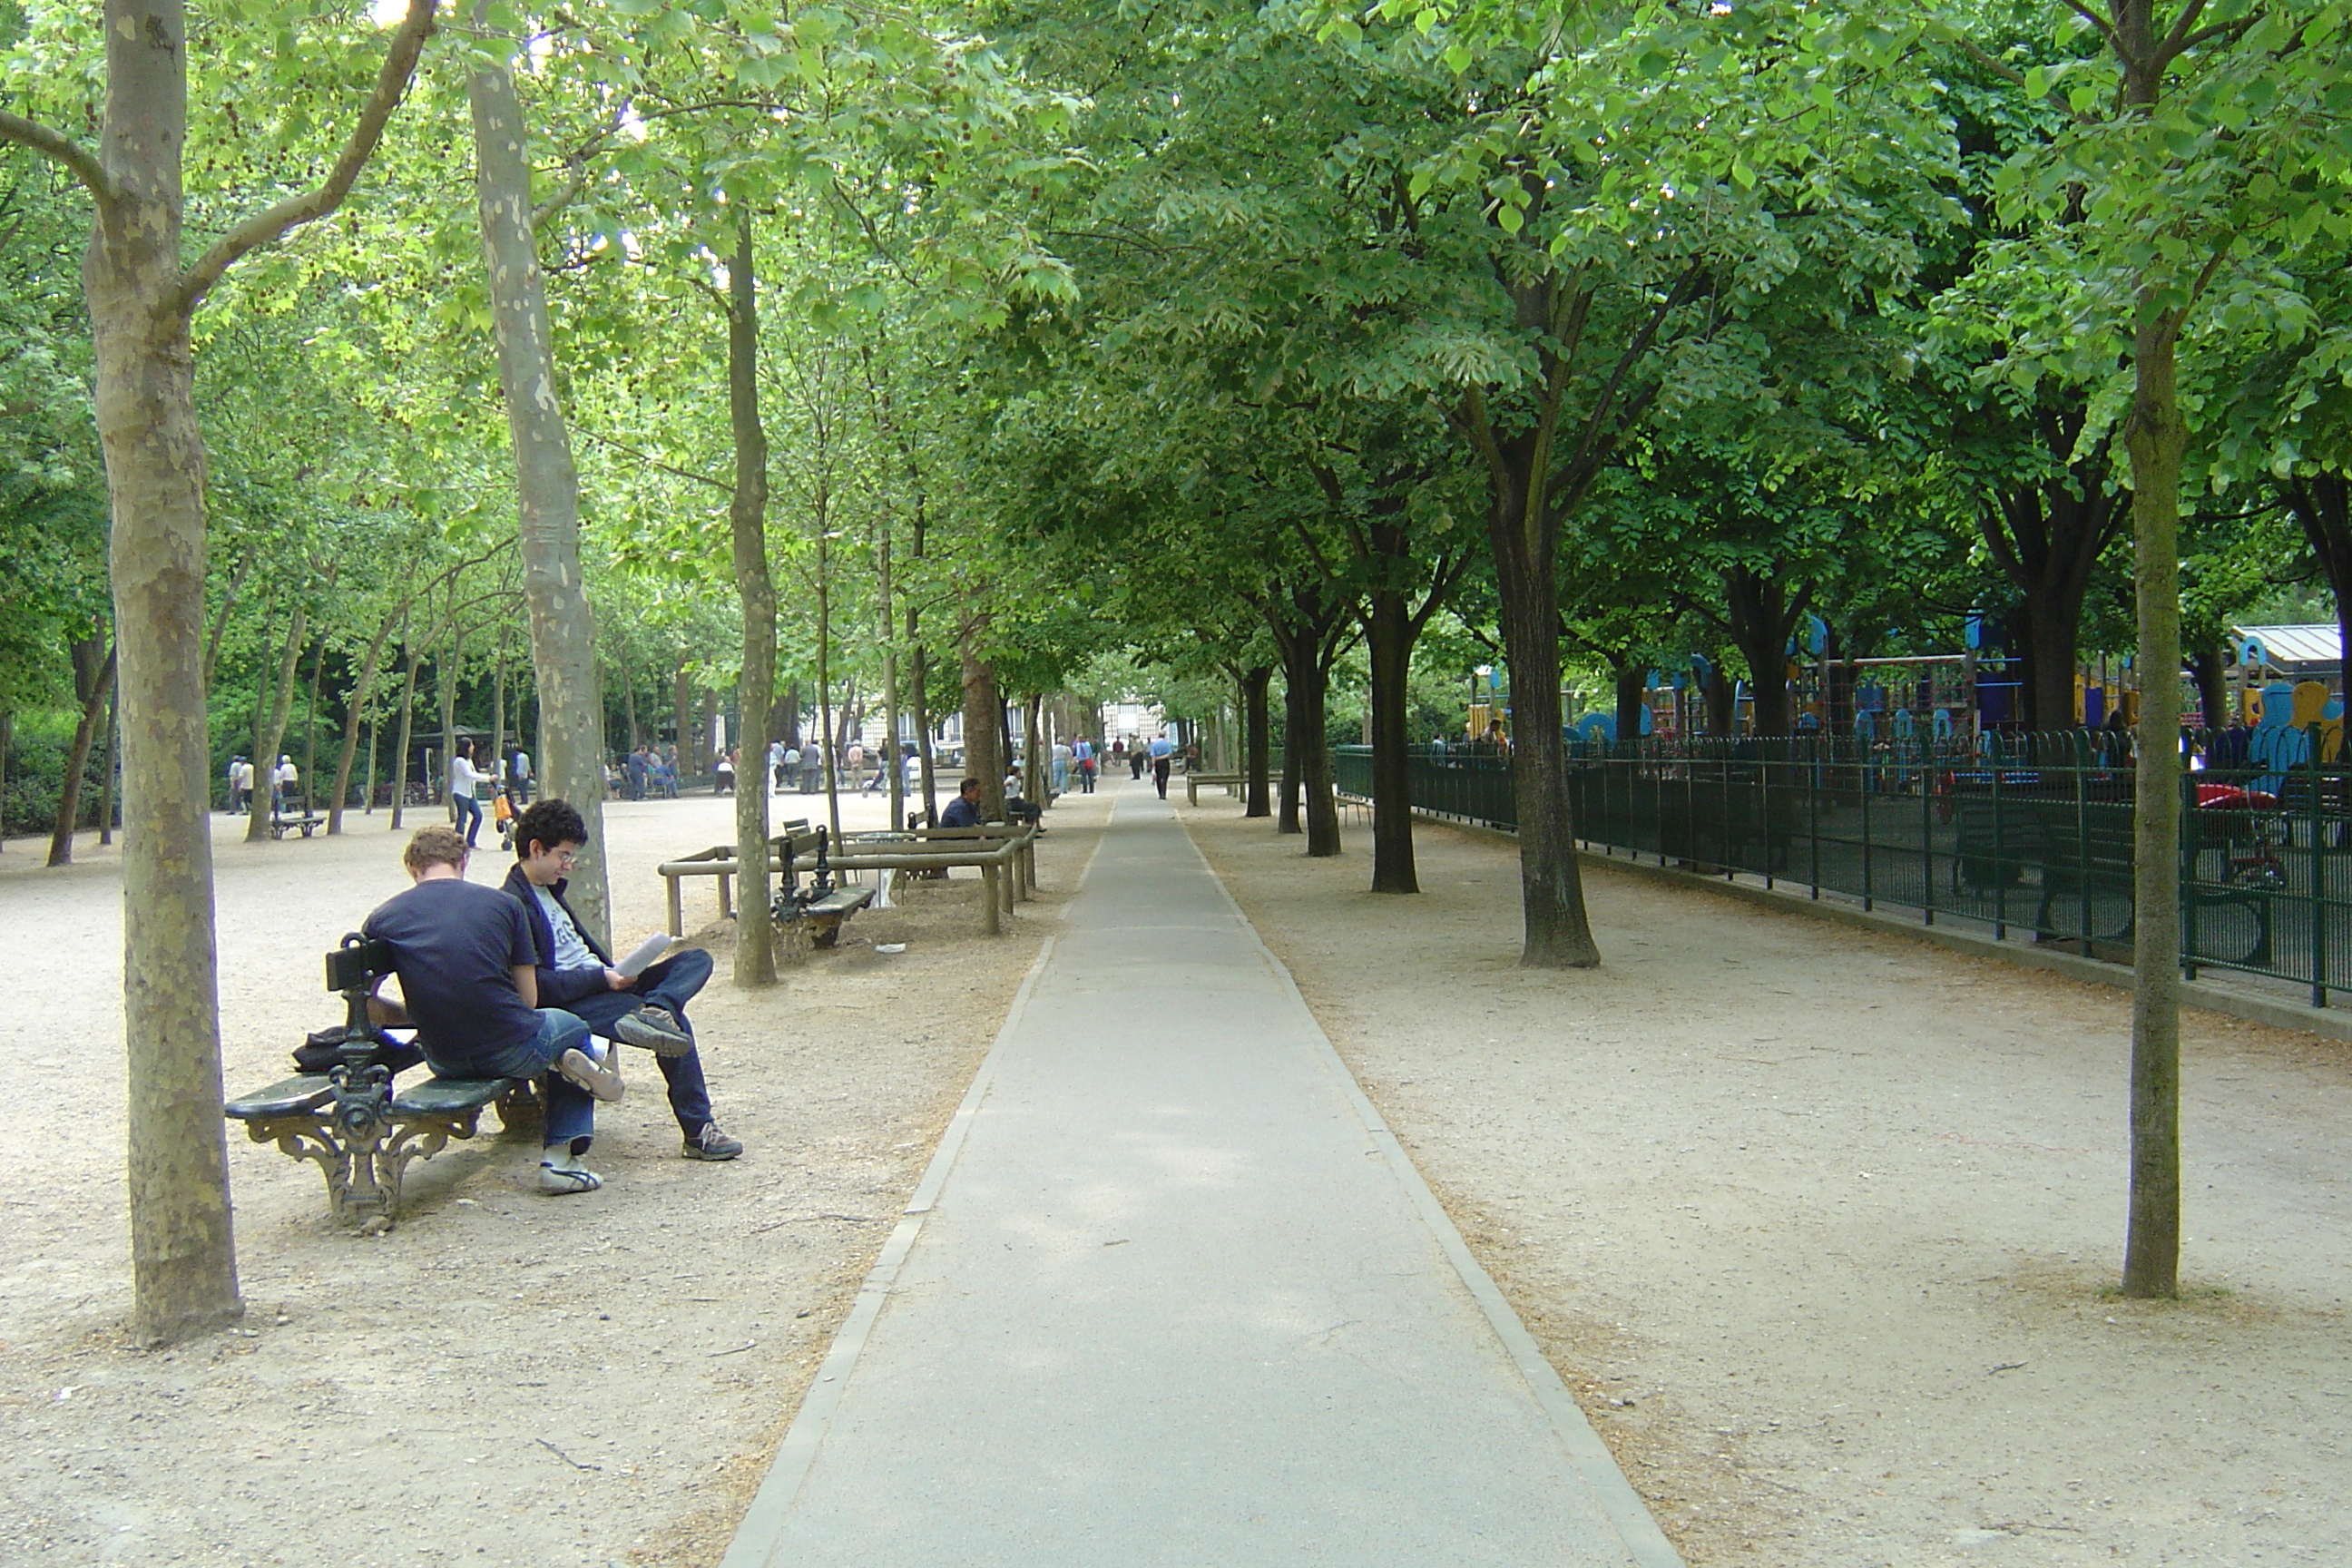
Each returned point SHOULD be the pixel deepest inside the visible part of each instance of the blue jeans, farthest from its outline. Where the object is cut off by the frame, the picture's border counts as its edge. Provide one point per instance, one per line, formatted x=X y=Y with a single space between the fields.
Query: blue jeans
x=571 y=1110
x=671 y=984
x=469 y=816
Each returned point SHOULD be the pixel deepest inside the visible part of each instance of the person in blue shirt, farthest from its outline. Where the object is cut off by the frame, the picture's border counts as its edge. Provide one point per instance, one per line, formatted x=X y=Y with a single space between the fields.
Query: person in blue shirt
x=963 y=810
x=469 y=984
x=1162 y=756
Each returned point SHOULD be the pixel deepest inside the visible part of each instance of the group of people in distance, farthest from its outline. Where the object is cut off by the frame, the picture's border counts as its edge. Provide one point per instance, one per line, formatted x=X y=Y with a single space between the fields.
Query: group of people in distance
x=506 y=983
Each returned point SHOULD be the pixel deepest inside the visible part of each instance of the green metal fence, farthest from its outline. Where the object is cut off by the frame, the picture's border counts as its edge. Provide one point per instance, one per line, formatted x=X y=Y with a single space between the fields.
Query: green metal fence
x=2027 y=834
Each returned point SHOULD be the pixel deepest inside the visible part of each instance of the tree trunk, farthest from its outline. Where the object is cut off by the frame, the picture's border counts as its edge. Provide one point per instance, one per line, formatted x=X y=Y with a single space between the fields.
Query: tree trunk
x=407 y=736
x=827 y=750
x=2212 y=686
x=1632 y=682
x=1036 y=781
x=2157 y=436
x=2321 y=504
x=1389 y=630
x=755 y=587
x=107 y=787
x=362 y=692
x=7 y=734
x=1557 y=934
x=1255 y=741
x=1286 y=816
x=563 y=627
x=183 y=1249
x=919 y=661
x=1722 y=700
x=983 y=716
x=1306 y=675
x=446 y=665
x=2047 y=537
x=896 y=783
x=629 y=702
x=220 y=616
x=310 y=722
x=489 y=761
x=681 y=702
x=93 y=683
x=272 y=730
x=1762 y=616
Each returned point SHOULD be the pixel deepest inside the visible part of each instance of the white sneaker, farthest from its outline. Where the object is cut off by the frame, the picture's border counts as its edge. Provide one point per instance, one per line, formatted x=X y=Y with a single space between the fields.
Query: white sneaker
x=561 y=1180
x=595 y=1077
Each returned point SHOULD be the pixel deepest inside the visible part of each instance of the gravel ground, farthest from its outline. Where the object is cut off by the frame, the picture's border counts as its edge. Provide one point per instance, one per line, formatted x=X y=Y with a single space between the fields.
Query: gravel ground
x=1821 y=1225
x=505 y=1378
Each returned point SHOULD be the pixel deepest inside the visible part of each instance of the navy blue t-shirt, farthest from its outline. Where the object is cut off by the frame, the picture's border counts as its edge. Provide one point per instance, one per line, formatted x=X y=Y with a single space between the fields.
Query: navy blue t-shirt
x=456 y=946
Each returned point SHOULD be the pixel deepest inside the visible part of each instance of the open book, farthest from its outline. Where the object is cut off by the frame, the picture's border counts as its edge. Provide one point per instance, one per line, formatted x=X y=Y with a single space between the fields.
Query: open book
x=641 y=957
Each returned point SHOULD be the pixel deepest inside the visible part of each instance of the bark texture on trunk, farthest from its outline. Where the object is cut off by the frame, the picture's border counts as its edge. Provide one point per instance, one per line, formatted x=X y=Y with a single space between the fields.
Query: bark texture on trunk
x=755 y=964
x=562 y=627
x=93 y=668
x=1557 y=934
x=182 y=1253
x=1257 y=741
x=983 y=718
x=1763 y=613
x=407 y=739
x=2157 y=436
x=1630 y=681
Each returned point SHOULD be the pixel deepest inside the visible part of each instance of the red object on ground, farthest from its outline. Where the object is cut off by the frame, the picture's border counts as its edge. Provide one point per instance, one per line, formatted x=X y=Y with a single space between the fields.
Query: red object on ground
x=2220 y=795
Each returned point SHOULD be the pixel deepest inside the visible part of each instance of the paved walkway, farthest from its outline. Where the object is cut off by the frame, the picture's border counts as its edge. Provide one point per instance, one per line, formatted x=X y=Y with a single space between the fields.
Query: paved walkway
x=1171 y=1294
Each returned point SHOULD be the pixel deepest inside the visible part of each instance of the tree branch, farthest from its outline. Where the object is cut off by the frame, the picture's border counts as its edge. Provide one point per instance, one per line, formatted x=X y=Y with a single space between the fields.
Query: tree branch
x=59 y=148
x=2106 y=28
x=649 y=460
x=273 y=223
x=2015 y=77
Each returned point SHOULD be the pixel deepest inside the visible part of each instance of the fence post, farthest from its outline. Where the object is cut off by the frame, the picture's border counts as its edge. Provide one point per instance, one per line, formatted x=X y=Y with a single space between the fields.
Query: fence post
x=2083 y=833
x=1813 y=814
x=1764 y=813
x=1862 y=782
x=2318 y=881
x=1999 y=861
x=1926 y=836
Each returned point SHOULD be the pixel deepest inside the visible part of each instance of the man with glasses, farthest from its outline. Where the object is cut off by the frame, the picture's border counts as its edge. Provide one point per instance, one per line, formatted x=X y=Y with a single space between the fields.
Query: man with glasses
x=577 y=975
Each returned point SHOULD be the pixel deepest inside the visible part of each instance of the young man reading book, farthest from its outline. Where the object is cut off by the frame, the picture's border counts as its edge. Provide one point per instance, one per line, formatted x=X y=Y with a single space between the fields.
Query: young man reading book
x=636 y=1003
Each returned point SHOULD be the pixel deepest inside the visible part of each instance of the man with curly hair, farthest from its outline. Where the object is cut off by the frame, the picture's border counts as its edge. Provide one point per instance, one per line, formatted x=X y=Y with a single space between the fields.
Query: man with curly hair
x=577 y=974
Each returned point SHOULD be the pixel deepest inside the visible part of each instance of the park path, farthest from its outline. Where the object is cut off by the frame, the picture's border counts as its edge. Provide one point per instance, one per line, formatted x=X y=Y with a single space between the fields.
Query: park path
x=1170 y=1293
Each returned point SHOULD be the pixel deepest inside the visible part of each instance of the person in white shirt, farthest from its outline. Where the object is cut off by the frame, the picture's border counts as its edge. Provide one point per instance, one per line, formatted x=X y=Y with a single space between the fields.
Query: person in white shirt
x=282 y=780
x=463 y=779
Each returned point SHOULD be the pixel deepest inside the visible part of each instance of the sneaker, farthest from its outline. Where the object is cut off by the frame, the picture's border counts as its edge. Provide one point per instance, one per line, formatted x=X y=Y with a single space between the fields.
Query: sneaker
x=560 y=1181
x=655 y=1029
x=711 y=1144
x=591 y=1075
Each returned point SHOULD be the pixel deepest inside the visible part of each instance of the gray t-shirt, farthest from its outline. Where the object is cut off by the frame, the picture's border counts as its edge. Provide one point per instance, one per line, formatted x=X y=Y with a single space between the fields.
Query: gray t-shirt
x=570 y=952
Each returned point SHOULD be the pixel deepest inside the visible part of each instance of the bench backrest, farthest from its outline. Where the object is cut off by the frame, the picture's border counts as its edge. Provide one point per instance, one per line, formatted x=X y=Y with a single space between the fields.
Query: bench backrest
x=359 y=963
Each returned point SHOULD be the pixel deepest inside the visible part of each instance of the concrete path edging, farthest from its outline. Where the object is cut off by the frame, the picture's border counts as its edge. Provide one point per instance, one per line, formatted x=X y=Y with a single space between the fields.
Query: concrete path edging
x=757 y=1533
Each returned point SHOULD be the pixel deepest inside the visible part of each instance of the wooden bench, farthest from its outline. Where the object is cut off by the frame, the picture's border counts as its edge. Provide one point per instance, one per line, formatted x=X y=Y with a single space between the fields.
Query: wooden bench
x=352 y=1122
x=823 y=909
x=719 y=861
x=281 y=823
x=1192 y=782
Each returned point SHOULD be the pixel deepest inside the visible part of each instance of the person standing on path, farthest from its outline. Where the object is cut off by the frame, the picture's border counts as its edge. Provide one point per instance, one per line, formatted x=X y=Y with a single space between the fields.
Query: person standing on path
x=468 y=984
x=575 y=973
x=282 y=780
x=1135 y=761
x=1062 y=756
x=1162 y=754
x=463 y=779
x=1082 y=755
x=519 y=778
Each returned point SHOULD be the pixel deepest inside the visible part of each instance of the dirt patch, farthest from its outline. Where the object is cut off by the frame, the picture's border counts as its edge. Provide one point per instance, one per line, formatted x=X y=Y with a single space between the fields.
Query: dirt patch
x=505 y=1378
x=1821 y=1226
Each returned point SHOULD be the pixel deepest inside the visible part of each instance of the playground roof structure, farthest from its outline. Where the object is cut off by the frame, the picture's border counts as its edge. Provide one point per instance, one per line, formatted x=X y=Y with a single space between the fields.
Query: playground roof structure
x=2306 y=651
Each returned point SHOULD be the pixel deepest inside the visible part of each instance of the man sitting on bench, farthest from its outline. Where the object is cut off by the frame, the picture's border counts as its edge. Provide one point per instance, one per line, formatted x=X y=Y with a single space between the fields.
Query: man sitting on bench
x=468 y=984
x=576 y=975
x=963 y=810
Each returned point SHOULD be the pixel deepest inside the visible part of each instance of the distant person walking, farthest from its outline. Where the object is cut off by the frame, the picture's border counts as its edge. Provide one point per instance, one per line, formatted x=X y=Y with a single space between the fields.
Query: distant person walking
x=1082 y=755
x=463 y=777
x=1163 y=755
x=519 y=778
x=1135 y=761
x=282 y=781
x=1062 y=756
